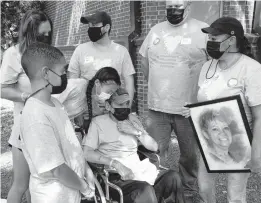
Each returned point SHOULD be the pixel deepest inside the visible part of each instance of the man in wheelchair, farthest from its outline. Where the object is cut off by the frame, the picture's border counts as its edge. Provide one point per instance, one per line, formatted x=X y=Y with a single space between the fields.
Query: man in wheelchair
x=113 y=140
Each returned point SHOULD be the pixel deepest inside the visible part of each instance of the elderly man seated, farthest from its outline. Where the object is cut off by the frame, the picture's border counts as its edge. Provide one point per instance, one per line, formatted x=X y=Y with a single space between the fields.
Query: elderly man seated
x=113 y=140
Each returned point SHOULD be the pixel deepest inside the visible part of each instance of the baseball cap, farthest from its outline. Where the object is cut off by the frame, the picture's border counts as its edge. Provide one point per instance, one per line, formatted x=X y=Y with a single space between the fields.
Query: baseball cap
x=225 y=25
x=97 y=17
x=120 y=96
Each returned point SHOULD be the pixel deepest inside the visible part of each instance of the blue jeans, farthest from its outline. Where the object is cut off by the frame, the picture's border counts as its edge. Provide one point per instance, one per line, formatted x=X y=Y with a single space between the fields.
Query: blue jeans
x=160 y=126
x=236 y=185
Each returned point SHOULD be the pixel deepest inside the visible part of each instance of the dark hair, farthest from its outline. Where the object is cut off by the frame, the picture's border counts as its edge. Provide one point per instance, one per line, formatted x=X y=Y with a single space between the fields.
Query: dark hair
x=38 y=55
x=103 y=75
x=244 y=47
x=28 y=29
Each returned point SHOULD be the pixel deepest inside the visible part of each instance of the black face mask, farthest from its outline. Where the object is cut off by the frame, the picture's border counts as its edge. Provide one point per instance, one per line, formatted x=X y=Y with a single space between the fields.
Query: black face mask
x=213 y=49
x=121 y=114
x=62 y=87
x=95 y=33
x=175 y=15
x=44 y=39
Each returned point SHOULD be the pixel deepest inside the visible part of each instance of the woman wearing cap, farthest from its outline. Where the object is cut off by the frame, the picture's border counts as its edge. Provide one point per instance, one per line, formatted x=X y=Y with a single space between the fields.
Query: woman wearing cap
x=230 y=72
x=35 y=26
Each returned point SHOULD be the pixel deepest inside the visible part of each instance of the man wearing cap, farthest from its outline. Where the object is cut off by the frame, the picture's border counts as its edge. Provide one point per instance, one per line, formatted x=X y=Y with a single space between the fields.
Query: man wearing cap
x=172 y=56
x=113 y=140
x=230 y=72
x=100 y=52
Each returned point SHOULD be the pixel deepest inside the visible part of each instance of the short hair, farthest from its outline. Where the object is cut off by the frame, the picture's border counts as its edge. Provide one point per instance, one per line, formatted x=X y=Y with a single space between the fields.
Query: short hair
x=28 y=28
x=38 y=55
x=224 y=114
x=238 y=149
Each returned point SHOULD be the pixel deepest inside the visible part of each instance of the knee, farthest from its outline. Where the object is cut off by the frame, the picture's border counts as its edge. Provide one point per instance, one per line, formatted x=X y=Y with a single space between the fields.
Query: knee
x=146 y=193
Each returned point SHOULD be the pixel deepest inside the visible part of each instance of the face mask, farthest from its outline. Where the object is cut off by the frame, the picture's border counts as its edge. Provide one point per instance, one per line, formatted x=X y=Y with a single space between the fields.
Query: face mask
x=121 y=114
x=175 y=16
x=44 y=39
x=103 y=96
x=213 y=49
x=95 y=33
x=62 y=87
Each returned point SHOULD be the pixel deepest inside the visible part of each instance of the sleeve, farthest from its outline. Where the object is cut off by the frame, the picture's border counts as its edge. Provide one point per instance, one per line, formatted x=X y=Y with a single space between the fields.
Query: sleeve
x=253 y=86
x=128 y=68
x=92 y=138
x=42 y=146
x=145 y=46
x=74 y=65
x=10 y=68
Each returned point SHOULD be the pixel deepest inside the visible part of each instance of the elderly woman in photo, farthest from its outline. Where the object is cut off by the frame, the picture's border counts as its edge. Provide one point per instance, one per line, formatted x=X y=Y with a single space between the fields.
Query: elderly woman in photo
x=225 y=147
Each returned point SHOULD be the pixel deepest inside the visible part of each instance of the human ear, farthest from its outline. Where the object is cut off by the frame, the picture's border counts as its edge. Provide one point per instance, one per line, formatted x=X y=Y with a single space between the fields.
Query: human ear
x=45 y=70
x=107 y=28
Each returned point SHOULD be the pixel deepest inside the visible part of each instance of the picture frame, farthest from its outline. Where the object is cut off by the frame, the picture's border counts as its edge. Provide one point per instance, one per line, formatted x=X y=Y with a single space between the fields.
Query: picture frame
x=223 y=134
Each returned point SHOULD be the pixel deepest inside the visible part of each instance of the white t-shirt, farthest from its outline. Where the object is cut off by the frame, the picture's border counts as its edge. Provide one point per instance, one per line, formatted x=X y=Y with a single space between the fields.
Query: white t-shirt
x=243 y=79
x=104 y=137
x=48 y=140
x=11 y=72
x=90 y=57
x=175 y=57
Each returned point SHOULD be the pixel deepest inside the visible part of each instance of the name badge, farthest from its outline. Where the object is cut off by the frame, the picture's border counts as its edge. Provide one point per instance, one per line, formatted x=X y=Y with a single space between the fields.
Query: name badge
x=186 y=41
x=232 y=82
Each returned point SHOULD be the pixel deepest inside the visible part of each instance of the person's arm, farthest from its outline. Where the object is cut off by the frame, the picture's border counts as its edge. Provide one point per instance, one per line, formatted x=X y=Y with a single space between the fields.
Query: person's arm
x=145 y=67
x=10 y=92
x=93 y=156
x=144 y=55
x=91 y=144
x=132 y=130
x=129 y=83
x=256 y=149
x=74 y=70
x=127 y=73
x=9 y=72
x=69 y=178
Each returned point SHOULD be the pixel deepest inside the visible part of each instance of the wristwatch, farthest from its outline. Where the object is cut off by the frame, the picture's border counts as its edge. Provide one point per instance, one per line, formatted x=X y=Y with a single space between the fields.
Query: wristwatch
x=139 y=134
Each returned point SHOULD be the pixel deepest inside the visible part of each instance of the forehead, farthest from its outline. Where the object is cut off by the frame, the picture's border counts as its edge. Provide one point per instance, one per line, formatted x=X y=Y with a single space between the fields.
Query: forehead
x=175 y=3
x=95 y=24
x=44 y=27
x=217 y=122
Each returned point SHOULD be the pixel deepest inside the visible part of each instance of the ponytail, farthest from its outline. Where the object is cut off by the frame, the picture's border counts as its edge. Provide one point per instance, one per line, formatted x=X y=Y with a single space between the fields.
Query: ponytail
x=244 y=47
x=89 y=103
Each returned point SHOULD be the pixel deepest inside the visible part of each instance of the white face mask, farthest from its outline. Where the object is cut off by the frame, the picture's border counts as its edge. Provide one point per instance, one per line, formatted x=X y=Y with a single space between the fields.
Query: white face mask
x=103 y=96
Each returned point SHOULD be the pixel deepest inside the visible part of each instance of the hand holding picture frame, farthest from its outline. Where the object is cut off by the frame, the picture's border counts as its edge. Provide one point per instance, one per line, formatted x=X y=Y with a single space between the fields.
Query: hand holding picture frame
x=223 y=134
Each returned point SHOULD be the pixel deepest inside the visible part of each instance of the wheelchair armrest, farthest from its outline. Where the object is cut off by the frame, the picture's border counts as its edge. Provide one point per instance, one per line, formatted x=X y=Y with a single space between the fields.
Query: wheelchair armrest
x=96 y=167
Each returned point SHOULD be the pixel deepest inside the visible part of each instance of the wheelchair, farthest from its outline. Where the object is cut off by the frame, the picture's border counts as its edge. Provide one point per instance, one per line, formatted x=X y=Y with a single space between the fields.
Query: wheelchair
x=105 y=190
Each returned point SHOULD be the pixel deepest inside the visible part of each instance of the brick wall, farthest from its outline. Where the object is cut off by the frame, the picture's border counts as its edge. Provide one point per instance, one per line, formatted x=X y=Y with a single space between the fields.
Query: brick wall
x=69 y=32
x=242 y=10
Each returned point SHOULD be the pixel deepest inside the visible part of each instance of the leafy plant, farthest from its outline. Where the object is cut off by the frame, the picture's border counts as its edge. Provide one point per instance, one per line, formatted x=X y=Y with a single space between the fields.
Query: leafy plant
x=11 y=14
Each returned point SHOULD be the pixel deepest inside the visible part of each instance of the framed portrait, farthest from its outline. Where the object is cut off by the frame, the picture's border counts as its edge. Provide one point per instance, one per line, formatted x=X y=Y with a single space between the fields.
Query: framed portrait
x=223 y=134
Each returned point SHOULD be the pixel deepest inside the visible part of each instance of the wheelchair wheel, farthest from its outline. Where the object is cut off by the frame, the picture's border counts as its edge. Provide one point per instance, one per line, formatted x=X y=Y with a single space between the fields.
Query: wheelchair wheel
x=99 y=195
